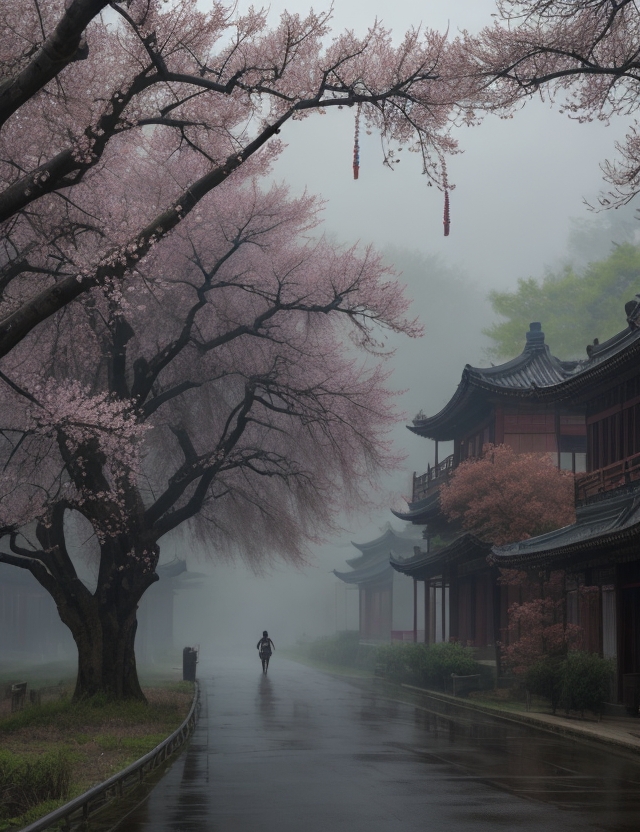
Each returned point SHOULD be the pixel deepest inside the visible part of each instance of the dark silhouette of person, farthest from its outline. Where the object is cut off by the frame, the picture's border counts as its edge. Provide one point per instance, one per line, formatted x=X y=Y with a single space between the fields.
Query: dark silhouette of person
x=265 y=647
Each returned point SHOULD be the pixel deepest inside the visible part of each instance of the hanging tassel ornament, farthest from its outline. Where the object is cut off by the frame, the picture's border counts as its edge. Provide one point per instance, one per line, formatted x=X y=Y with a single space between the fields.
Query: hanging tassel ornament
x=356 y=145
x=446 y=220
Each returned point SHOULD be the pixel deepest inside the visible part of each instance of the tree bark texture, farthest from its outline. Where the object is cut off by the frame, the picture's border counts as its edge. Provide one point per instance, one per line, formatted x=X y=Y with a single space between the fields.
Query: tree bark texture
x=103 y=623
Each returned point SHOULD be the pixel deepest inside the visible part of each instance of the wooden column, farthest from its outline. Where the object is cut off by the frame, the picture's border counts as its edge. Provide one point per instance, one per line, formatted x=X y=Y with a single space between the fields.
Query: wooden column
x=499 y=429
x=427 y=612
x=496 y=590
x=454 y=624
x=436 y=463
x=619 y=632
x=415 y=610
x=443 y=609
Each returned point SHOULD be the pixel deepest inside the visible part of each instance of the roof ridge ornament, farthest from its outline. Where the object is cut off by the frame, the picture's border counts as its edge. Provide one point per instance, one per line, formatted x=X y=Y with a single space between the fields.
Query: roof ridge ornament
x=632 y=311
x=535 y=337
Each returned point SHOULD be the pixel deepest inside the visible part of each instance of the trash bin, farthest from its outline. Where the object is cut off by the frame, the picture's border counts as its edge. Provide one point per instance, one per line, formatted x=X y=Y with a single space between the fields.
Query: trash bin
x=189 y=662
x=18 y=696
x=631 y=692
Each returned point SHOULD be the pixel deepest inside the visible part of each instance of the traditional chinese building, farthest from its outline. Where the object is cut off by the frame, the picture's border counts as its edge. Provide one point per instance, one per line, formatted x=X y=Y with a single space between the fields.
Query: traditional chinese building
x=602 y=549
x=386 y=598
x=31 y=629
x=517 y=404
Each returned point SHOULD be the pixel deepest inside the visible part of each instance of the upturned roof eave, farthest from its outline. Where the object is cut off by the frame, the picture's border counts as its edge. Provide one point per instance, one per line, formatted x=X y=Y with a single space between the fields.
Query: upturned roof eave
x=475 y=386
x=580 y=375
x=428 y=561
x=543 y=557
x=439 y=426
x=363 y=576
x=599 y=526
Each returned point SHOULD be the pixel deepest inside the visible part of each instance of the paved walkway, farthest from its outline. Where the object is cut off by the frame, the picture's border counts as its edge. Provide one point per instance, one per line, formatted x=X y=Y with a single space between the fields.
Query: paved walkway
x=303 y=750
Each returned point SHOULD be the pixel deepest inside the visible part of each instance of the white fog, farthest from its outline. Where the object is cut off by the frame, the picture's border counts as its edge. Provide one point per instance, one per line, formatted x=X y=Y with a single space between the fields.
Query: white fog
x=520 y=191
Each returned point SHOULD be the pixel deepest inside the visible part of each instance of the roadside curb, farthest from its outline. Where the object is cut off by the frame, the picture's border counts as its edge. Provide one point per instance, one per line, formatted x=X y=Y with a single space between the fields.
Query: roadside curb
x=544 y=722
x=116 y=786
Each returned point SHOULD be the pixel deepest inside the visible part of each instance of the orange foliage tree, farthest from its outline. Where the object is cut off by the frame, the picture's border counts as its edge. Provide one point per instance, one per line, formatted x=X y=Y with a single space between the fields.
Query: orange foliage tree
x=504 y=496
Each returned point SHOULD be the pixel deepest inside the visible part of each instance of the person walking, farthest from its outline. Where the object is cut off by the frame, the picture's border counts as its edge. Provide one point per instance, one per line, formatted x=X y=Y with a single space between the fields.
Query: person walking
x=265 y=647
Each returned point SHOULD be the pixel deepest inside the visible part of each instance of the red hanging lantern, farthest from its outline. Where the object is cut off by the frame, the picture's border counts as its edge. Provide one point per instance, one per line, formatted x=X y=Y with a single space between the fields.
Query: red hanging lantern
x=446 y=220
x=356 y=145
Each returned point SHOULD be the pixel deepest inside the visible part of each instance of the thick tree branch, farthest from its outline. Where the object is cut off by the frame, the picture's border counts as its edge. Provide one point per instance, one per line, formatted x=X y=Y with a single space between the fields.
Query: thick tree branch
x=18 y=325
x=60 y=48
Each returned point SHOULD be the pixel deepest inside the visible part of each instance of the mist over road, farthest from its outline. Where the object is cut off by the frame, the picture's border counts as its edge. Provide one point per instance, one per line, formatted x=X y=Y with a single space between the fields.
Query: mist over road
x=302 y=750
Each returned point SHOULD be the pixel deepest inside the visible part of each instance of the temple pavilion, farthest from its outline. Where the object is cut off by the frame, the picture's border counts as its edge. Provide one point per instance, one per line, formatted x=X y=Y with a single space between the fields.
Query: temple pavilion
x=520 y=403
x=31 y=629
x=386 y=603
x=602 y=549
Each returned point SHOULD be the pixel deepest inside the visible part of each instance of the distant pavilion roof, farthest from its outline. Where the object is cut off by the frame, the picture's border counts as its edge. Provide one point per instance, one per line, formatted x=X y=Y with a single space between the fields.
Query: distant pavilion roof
x=422 y=511
x=373 y=562
x=171 y=569
x=534 y=375
x=608 y=529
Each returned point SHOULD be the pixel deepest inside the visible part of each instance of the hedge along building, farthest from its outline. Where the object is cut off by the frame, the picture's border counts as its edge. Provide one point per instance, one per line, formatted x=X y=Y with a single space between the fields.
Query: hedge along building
x=515 y=404
x=602 y=548
x=387 y=608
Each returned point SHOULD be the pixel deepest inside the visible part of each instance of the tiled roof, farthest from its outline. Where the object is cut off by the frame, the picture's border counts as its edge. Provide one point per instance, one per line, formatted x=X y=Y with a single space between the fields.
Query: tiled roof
x=424 y=563
x=377 y=571
x=601 y=525
x=422 y=511
x=535 y=374
x=373 y=563
x=532 y=369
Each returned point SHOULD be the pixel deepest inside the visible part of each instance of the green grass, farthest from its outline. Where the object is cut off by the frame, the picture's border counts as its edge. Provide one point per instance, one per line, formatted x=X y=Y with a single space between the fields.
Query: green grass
x=96 y=738
x=27 y=781
x=135 y=746
x=95 y=712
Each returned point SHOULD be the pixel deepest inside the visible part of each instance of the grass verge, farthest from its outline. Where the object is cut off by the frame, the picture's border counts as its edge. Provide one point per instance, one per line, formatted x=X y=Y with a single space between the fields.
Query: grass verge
x=81 y=744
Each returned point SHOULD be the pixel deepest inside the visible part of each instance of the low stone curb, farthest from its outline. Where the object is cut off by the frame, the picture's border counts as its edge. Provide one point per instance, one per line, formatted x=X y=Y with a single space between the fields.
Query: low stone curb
x=553 y=724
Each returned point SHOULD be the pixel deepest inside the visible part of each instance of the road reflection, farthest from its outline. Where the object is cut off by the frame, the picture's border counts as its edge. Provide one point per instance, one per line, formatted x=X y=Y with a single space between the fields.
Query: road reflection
x=298 y=749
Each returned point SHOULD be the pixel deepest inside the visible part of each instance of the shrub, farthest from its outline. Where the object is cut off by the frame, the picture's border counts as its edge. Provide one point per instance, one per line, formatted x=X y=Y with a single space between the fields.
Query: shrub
x=446 y=658
x=392 y=660
x=426 y=665
x=578 y=682
x=26 y=781
x=545 y=678
x=585 y=682
x=340 y=649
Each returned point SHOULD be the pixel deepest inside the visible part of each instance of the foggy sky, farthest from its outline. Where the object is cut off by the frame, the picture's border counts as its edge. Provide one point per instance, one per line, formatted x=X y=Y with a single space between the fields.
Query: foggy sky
x=518 y=184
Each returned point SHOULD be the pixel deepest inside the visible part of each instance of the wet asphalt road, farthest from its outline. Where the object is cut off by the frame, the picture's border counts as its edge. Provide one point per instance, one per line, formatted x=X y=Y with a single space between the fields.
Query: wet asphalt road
x=302 y=751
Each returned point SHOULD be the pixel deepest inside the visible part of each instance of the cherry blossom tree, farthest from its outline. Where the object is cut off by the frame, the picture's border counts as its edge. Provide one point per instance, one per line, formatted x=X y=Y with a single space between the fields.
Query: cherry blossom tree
x=538 y=626
x=86 y=87
x=219 y=385
x=581 y=54
x=504 y=496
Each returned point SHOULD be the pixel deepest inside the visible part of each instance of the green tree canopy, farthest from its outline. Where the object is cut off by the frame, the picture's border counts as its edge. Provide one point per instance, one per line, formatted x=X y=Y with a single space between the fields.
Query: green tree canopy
x=573 y=307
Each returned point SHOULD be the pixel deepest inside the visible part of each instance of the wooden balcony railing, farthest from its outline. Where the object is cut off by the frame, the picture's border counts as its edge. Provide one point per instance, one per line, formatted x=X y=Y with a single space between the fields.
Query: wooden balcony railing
x=624 y=472
x=425 y=484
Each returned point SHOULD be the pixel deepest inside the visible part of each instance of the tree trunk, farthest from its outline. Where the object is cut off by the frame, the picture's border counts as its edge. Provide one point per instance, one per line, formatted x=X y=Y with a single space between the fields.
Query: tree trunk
x=103 y=623
x=106 y=657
